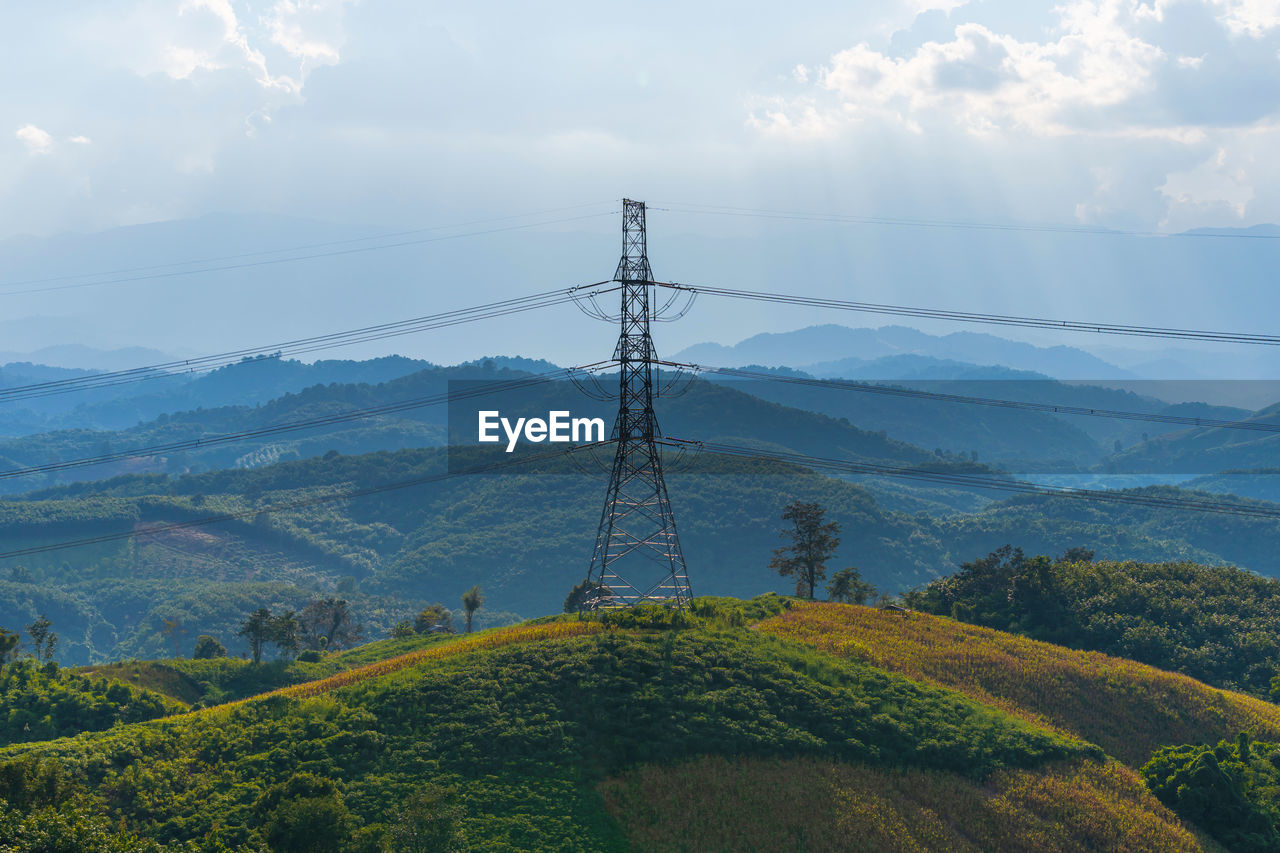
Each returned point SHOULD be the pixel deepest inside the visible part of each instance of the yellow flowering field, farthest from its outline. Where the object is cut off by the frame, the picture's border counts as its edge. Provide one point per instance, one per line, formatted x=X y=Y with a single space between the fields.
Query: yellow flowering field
x=816 y=805
x=1126 y=708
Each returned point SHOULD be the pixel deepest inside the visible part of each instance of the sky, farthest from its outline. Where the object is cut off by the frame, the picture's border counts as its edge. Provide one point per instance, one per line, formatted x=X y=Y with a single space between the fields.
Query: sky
x=1153 y=116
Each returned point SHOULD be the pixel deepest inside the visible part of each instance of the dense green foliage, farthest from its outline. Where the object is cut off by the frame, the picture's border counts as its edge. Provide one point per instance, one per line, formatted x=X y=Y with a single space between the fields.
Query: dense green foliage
x=1218 y=624
x=507 y=743
x=1231 y=790
x=41 y=702
x=206 y=682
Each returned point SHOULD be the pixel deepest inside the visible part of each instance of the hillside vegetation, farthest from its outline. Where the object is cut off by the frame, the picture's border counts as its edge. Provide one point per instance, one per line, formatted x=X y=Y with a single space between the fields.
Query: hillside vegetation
x=1127 y=708
x=391 y=552
x=507 y=735
x=40 y=702
x=822 y=806
x=1218 y=624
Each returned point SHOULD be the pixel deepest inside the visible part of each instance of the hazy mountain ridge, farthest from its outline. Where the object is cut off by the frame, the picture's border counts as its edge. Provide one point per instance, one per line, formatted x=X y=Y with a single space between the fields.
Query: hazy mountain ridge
x=824 y=350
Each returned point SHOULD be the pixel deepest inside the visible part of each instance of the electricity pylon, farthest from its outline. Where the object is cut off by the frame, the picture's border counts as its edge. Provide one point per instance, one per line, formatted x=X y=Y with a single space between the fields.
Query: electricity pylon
x=637 y=558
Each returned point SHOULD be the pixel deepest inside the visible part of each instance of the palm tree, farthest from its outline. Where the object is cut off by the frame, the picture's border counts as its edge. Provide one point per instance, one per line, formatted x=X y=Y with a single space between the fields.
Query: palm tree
x=471 y=601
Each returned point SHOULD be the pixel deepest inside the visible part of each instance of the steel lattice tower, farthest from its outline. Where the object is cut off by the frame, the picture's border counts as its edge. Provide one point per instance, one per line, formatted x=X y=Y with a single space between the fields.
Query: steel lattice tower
x=637 y=558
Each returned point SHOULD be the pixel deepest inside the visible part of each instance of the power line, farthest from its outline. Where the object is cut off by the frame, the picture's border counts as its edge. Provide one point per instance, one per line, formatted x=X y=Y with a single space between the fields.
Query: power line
x=1021 y=405
x=301 y=248
x=332 y=254
x=849 y=219
x=275 y=508
x=399 y=406
x=294 y=426
x=302 y=346
x=975 y=317
x=975 y=481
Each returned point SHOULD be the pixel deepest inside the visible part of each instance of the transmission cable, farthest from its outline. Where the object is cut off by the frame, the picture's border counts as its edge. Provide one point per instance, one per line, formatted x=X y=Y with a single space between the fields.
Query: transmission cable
x=347 y=416
x=975 y=481
x=330 y=254
x=1021 y=405
x=974 y=317
x=302 y=248
x=850 y=219
x=301 y=346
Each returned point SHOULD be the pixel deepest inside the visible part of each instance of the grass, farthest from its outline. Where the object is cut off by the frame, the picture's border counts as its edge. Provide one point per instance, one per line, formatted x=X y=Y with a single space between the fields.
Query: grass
x=1127 y=708
x=818 y=805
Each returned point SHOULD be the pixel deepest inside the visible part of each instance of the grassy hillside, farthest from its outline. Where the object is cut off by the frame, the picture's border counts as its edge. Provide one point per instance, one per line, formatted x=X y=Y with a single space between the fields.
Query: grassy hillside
x=1218 y=624
x=1204 y=450
x=816 y=805
x=1127 y=708
x=506 y=740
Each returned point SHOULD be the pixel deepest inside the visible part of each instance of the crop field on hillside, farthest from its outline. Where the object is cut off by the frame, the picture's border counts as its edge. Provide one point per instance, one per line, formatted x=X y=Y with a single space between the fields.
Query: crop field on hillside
x=816 y=805
x=1126 y=708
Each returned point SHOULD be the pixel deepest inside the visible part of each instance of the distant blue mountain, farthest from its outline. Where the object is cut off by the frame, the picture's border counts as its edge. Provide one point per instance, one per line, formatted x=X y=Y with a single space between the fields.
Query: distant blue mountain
x=919 y=367
x=832 y=350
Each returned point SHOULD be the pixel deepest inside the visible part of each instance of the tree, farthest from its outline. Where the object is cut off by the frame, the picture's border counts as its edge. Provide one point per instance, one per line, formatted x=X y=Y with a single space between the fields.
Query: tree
x=402 y=630
x=174 y=631
x=305 y=814
x=208 y=648
x=580 y=595
x=9 y=641
x=257 y=631
x=848 y=586
x=43 y=638
x=1227 y=790
x=327 y=624
x=284 y=633
x=431 y=616
x=429 y=822
x=813 y=542
x=472 y=600
x=1077 y=554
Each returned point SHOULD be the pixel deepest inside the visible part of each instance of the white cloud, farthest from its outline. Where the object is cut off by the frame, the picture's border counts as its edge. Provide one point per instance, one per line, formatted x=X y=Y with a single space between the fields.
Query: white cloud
x=919 y=7
x=1154 y=102
x=309 y=30
x=37 y=141
x=277 y=47
x=1249 y=17
x=986 y=81
x=1215 y=184
x=80 y=140
x=223 y=45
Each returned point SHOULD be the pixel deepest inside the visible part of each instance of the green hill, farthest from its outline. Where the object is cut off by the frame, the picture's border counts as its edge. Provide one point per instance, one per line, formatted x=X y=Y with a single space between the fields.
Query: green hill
x=1218 y=624
x=706 y=411
x=391 y=552
x=1204 y=450
x=559 y=735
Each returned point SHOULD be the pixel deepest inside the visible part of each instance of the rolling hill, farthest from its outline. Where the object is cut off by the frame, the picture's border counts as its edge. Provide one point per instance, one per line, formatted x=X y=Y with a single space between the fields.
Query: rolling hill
x=638 y=730
x=706 y=411
x=1205 y=450
x=391 y=551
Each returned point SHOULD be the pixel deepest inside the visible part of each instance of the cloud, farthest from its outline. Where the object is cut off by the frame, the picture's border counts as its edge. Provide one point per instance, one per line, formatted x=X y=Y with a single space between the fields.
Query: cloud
x=309 y=30
x=1253 y=18
x=1111 y=67
x=80 y=140
x=1216 y=185
x=37 y=141
x=986 y=81
x=1152 y=111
